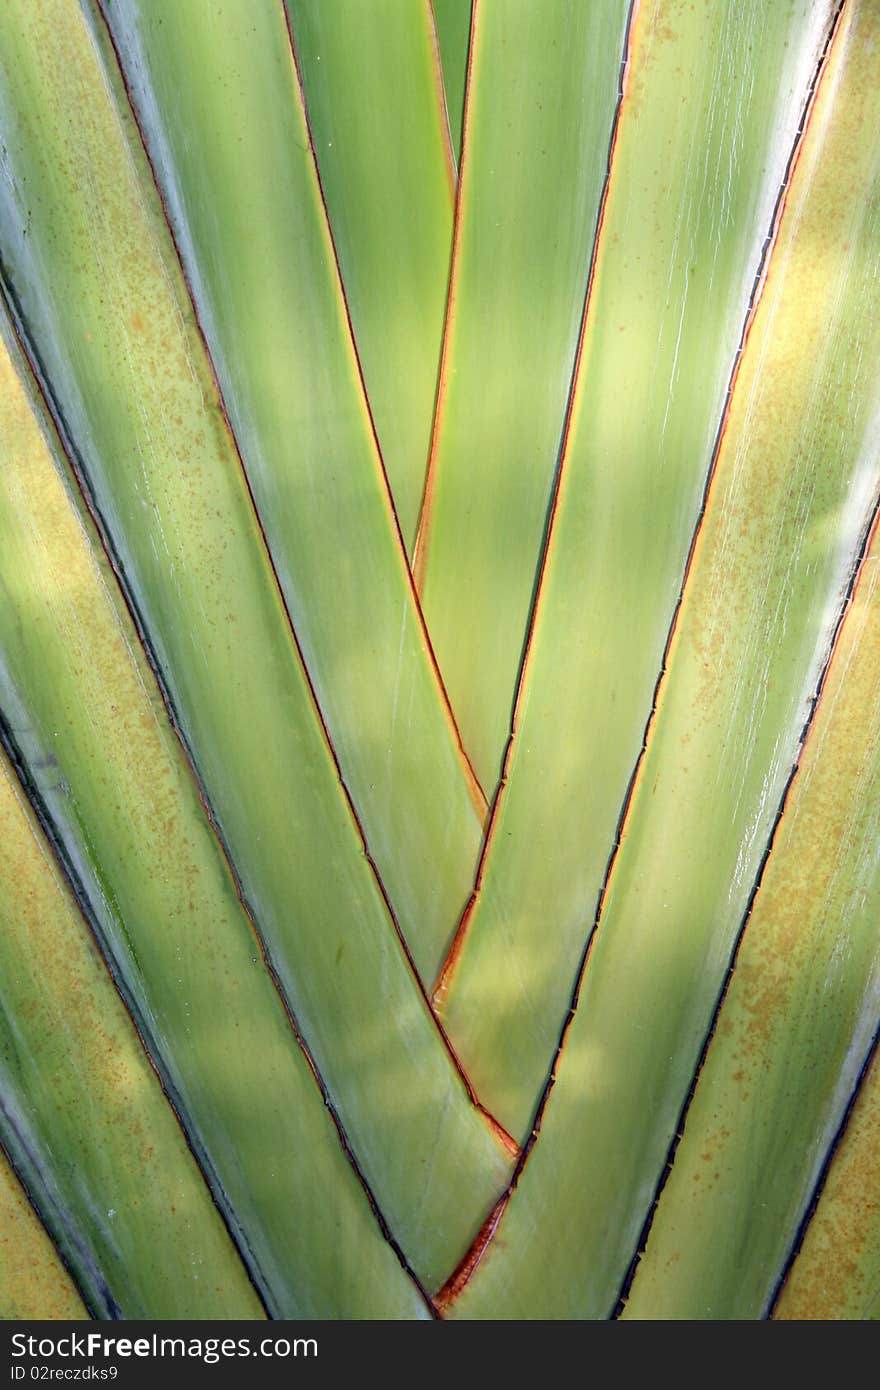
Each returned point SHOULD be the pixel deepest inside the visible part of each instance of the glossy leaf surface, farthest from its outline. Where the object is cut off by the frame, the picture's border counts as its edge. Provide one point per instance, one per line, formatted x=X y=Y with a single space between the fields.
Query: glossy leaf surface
x=453 y=25
x=697 y=170
x=543 y=92
x=796 y=481
x=798 y=1019
x=376 y=112
x=152 y=444
x=800 y=1013
x=83 y=1113
x=83 y=714
x=217 y=94
x=614 y=395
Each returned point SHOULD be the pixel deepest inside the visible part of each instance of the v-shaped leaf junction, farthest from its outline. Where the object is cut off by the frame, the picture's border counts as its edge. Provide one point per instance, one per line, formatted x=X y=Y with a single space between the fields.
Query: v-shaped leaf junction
x=401 y=406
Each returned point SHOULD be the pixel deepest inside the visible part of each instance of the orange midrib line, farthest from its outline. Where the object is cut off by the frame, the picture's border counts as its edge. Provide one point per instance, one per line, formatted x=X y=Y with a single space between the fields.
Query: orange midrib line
x=423 y=531
x=475 y=790
x=697 y=540
x=229 y=865
x=444 y=979
x=442 y=100
x=662 y=680
x=506 y=1140
x=233 y=441
x=466 y=1268
x=230 y=868
x=352 y=809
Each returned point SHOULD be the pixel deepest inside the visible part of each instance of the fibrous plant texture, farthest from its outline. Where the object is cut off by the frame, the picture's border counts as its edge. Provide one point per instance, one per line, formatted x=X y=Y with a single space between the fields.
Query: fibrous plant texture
x=439 y=659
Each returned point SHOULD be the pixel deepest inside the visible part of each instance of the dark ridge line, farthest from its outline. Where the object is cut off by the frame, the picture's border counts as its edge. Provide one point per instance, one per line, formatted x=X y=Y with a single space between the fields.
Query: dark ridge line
x=423 y=528
x=444 y=978
x=751 y=309
x=367 y=854
x=387 y=1234
x=822 y=1179
x=478 y=796
x=442 y=98
x=99 y=5
x=91 y=1308
x=65 y=440
x=209 y=811
x=179 y=1109
x=80 y=476
x=141 y=628
x=815 y=700
x=190 y=1133
x=754 y=300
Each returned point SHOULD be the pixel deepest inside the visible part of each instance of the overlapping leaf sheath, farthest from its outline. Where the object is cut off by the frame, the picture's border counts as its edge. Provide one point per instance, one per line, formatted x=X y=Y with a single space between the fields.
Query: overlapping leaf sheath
x=713 y=102
x=99 y=296
x=801 y=1010
x=217 y=94
x=82 y=713
x=541 y=103
x=376 y=110
x=796 y=482
x=837 y=1271
x=453 y=24
x=33 y=1281
x=84 y=1117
